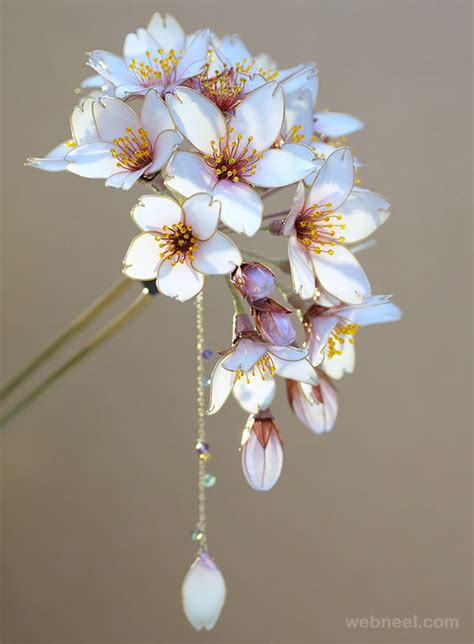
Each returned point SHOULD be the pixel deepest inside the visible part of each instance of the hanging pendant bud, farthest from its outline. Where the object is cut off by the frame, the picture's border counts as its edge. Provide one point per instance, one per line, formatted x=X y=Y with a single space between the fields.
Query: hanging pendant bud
x=273 y=322
x=203 y=592
x=315 y=406
x=262 y=451
x=254 y=280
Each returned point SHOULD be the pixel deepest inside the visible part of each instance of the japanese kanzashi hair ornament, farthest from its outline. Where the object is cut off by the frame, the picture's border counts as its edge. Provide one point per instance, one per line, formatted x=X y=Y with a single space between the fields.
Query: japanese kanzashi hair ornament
x=211 y=131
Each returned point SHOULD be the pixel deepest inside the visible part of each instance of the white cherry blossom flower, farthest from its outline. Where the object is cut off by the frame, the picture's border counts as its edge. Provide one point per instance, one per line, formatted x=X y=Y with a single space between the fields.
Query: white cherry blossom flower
x=321 y=223
x=119 y=145
x=232 y=158
x=179 y=245
x=159 y=57
x=249 y=368
x=332 y=331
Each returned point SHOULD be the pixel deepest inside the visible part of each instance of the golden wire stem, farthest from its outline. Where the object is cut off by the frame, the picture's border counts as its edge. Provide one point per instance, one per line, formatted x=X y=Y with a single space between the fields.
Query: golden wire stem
x=104 y=334
x=201 y=419
x=79 y=323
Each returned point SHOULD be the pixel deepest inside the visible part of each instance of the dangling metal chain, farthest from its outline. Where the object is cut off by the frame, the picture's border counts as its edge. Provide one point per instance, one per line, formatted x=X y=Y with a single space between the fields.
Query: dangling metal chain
x=201 y=422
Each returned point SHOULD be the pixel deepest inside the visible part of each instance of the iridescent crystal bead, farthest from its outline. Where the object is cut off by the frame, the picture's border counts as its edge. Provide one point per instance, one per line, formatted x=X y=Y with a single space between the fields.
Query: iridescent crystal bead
x=207 y=354
x=209 y=480
x=196 y=535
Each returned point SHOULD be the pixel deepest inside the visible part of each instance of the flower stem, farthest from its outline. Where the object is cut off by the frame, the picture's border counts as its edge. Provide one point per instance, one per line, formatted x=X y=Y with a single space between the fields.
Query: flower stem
x=104 y=334
x=79 y=323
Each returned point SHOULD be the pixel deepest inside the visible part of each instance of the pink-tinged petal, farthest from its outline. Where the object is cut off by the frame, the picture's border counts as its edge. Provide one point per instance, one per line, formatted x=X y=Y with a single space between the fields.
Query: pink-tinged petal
x=233 y=51
x=321 y=328
x=342 y=363
x=374 y=310
x=195 y=56
x=167 y=32
x=334 y=181
x=242 y=208
x=197 y=118
x=54 y=161
x=136 y=46
x=341 y=275
x=93 y=160
x=300 y=370
x=125 y=179
x=163 y=148
x=336 y=124
x=110 y=66
x=187 y=173
x=259 y=117
x=202 y=212
x=302 y=273
x=83 y=127
x=217 y=255
x=155 y=116
x=303 y=77
x=320 y=416
x=256 y=394
x=292 y=354
x=152 y=212
x=113 y=118
x=262 y=465
x=281 y=168
x=363 y=212
x=180 y=281
x=143 y=258
x=296 y=208
x=222 y=381
x=244 y=356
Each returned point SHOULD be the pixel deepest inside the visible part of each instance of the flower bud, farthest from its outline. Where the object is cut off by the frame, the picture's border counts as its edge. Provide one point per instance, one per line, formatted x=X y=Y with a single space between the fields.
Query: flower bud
x=273 y=322
x=262 y=452
x=203 y=592
x=254 y=280
x=315 y=406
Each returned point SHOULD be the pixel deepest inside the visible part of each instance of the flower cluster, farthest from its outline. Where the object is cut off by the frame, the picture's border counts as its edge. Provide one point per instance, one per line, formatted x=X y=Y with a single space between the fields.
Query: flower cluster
x=212 y=131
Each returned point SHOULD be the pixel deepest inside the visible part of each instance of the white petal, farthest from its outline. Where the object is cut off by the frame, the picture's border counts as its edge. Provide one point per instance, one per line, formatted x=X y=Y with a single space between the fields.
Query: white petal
x=93 y=160
x=303 y=77
x=242 y=208
x=336 y=124
x=302 y=273
x=262 y=466
x=92 y=82
x=256 y=394
x=203 y=593
x=110 y=66
x=54 y=161
x=320 y=417
x=287 y=353
x=338 y=365
x=222 y=381
x=142 y=258
x=281 y=168
x=180 y=282
x=374 y=310
x=188 y=173
x=83 y=126
x=195 y=56
x=163 y=147
x=245 y=355
x=202 y=214
x=296 y=208
x=233 y=50
x=137 y=44
x=334 y=181
x=126 y=90
x=152 y=212
x=321 y=328
x=155 y=116
x=362 y=212
x=299 y=117
x=113 y=117
x=197 y=118
x=125 y=179
x=260 y=116
x=217 y=255
x=167 y=32
x=300 y=370
x=341 y=275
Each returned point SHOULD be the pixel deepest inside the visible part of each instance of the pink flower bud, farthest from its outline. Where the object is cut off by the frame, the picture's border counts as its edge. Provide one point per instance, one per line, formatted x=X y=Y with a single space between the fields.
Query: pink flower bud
x=262 y=452
x=273 y=322
x=316 y=407
x=254 y=280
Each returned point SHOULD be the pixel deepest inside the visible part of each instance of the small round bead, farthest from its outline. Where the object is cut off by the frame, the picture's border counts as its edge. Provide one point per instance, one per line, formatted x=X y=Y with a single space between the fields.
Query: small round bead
x=209 y=480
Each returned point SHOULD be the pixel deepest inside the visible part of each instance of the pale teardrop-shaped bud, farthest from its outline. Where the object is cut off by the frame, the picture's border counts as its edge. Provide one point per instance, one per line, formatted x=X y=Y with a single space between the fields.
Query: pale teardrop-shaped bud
x=315 y=406
x=254 y=280
x=273 y=322
x=262 y=452
x=203 y=592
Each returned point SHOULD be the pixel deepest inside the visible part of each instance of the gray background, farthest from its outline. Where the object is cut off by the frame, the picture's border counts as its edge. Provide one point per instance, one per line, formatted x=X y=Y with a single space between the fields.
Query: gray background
x=99 y=476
